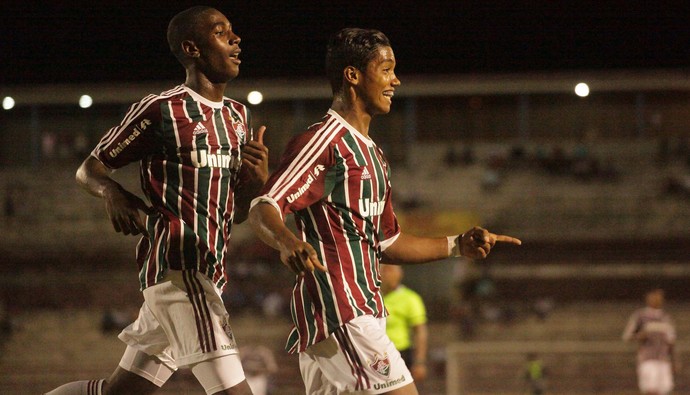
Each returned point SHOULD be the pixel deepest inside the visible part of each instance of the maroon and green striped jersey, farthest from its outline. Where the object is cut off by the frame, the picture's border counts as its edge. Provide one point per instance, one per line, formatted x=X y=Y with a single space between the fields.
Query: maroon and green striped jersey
x=336 y=183
x=189 y=151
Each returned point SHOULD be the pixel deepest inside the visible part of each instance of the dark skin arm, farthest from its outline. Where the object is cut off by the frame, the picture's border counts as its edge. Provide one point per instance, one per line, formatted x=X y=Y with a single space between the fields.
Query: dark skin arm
x=301 y=257
x=476 y=243
x=255 y=160
x=297 y=255
x=121 y=205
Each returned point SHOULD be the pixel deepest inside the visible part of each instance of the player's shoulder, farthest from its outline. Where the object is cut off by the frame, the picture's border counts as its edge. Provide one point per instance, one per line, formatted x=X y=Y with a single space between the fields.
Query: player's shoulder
x=152 y=101
x=234 y=104
x=324 y=132
x=149 y=108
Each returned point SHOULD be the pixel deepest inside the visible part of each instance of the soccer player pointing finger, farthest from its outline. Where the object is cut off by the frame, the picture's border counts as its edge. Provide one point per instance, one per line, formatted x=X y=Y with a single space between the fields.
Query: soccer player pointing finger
x=335 y=180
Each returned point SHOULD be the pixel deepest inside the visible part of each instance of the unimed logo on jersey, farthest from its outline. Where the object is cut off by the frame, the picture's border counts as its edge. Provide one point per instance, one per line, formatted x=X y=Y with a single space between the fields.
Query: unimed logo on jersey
x=203 y=158
x=310 y=179
x=136 y=132
x=369 y=209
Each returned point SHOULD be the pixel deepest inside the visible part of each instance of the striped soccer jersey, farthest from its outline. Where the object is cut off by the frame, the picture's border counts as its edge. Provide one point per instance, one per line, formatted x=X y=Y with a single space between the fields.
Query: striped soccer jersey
x=660 y=333
x=336 y=183
x=189 y=149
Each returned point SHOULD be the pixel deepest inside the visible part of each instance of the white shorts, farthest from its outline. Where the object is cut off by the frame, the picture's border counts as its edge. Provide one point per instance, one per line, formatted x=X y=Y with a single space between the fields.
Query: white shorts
x=182 y=322
x=655 y=376
x=358 y=358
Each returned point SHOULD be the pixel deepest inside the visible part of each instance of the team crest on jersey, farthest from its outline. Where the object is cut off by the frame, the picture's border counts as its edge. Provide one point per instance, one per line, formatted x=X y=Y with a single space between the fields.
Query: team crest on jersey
x=238 y=126
x=381 y=365
x=240 y=130
x=225 y=324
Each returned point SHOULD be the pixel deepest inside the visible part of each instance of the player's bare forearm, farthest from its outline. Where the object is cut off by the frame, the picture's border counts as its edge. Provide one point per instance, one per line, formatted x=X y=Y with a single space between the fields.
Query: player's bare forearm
x=476 y=243
x=297 y=255
x=95 y=178
x=409 y=249
x=121 y=205
x=269 y=226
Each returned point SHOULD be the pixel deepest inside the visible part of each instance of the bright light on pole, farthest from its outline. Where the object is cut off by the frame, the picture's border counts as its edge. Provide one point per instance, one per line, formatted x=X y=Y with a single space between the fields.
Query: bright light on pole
x=85 y=101
x=8 y=103
x=255 y=97
x=582 y=89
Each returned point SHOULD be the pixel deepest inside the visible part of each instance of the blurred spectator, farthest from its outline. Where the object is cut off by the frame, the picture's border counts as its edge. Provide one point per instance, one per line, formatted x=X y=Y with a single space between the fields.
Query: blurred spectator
x=543 y=307
x=677 y=185
x=452 y=157
x=663 y=150
x=81 y=145
x=406 y=324
x=466 y=306
x=259 y=366
x=535 y=374
x=275 y=305
x=6 y=326
x=9 y=208
x=48 y=144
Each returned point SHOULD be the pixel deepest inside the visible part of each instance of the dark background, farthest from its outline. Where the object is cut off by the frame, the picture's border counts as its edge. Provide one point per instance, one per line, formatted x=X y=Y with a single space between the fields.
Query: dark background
x=45 y=42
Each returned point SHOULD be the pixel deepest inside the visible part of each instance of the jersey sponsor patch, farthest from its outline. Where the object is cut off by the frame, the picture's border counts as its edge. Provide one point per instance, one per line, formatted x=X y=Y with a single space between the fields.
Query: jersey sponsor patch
x=203 y=158
x=311 y=177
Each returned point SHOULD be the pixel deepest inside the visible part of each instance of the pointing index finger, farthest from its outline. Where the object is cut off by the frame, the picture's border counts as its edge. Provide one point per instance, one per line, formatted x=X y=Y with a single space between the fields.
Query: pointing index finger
x=508 y=239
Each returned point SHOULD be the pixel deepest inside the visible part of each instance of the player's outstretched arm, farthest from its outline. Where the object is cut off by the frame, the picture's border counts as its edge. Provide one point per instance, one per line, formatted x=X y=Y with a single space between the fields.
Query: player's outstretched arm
x=121 y=205
x=297 y=255
x=476 y=243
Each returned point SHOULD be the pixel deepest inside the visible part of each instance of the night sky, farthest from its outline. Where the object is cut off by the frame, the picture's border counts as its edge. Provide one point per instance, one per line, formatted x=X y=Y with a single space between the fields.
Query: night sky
x=46 y=42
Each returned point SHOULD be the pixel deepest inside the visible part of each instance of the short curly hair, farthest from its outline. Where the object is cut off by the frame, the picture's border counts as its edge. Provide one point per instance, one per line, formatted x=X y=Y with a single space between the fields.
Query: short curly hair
x=184 y=26
x=351 y=47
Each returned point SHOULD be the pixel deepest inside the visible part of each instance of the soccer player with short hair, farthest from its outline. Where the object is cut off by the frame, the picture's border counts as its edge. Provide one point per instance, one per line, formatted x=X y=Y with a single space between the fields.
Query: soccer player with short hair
x=655 y=333
x=336 y=182
x=200 y=168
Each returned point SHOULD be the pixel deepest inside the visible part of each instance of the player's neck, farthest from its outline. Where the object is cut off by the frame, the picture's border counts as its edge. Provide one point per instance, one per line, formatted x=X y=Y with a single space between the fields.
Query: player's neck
x=207 y=89
x=356 y=116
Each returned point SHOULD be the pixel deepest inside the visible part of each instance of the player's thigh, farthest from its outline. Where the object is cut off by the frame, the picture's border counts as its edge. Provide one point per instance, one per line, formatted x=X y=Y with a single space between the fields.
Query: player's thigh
x=222 y=375
x=123 y=382
x=358 y=358
x=192 y=315
x=150 y=368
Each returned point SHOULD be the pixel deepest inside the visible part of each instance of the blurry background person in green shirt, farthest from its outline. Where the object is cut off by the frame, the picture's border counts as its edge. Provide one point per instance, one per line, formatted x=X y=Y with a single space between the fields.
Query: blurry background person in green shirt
x=406 y=324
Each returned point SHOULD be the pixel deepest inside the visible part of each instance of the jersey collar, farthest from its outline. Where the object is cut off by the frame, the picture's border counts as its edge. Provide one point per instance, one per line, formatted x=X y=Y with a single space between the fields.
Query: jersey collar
x=366 y=140
x=201 y=99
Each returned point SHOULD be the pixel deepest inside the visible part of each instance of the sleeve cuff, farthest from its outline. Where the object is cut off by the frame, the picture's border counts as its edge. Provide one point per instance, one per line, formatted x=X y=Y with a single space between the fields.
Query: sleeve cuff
x=389 y=242
x=266 y=199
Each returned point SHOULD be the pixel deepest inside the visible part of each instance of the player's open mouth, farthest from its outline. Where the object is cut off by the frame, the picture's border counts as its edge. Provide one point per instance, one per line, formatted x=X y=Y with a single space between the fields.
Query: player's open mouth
x=236 y=57
x=389 y=94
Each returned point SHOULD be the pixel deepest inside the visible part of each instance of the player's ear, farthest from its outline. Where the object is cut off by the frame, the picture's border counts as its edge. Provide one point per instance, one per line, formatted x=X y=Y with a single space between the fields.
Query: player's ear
x=351 y=75
x=190 y=49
